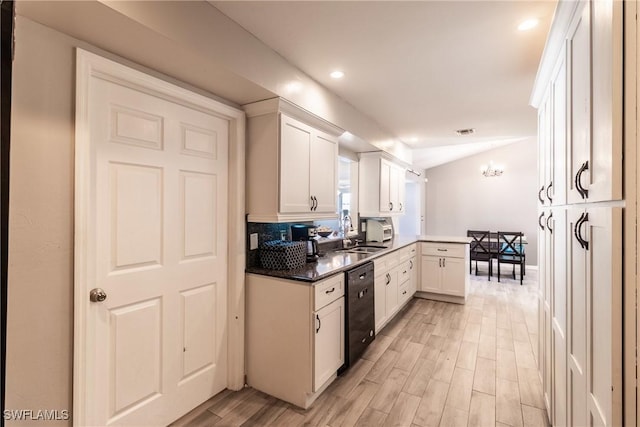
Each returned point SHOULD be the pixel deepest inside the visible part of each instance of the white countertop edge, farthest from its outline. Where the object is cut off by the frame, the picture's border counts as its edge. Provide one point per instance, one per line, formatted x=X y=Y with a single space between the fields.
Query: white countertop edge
x=444 y=239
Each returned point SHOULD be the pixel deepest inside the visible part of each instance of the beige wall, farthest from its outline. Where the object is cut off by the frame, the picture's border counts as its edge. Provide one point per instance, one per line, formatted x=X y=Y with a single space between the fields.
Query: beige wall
x=40 y=312
x=459 y=198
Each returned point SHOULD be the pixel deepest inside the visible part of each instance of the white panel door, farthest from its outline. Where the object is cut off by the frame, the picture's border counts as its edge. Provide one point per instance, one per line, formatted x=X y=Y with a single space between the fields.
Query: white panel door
x=605 y=180
x=430 y=273
x=380 y=299
x=579 y=108
x=558 y=149
x=559 y=235
x=603 y=230
x=323 y=166
x=158 y=248
x=385 y=174
x=577 y=322
x=453 y=276
x=328 y=342
x=394 y=183
x=295 y=146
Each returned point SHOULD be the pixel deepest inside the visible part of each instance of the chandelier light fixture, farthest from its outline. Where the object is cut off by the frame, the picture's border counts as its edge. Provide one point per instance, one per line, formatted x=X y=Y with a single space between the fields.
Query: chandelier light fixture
x=491 y=170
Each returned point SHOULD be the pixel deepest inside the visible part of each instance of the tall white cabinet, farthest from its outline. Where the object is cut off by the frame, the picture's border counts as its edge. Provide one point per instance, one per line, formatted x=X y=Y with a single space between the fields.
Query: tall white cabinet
x=578 y=94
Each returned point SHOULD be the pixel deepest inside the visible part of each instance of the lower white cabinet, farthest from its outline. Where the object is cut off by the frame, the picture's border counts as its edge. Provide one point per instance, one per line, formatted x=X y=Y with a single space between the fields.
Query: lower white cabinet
x=294 y=336
x=443 y=269
x=328 y=342
x=394 y=283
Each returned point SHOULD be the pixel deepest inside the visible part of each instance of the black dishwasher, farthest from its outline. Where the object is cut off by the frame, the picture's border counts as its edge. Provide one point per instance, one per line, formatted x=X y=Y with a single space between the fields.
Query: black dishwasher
x=360 y=319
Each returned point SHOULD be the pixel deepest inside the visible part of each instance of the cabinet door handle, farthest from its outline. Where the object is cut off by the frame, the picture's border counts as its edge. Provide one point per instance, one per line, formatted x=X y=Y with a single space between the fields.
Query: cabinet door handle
x=585 y=244
x=319 y=323
x=404 y=293
x=439 y=262
x=549 y=225
x=410 y=265
x=390 y=206
x=315 y=206
x=584 y=193
x=330 y=291
x=444 y=262
x=549 y=188
x=575 y=230
x=540 y=194
x=442 y=250
x=400 y=206
x=541 y=221
x=312 y=204
x=388 y=279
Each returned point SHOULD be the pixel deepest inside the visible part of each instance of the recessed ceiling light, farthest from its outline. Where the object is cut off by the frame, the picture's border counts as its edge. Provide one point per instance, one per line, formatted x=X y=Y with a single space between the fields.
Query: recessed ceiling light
x=469 y=131
x=528 y=24
x=337 y=74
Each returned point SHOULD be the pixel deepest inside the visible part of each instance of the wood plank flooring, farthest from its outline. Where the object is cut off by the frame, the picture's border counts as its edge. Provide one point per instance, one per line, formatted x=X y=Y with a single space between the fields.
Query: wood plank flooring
x=435 y=364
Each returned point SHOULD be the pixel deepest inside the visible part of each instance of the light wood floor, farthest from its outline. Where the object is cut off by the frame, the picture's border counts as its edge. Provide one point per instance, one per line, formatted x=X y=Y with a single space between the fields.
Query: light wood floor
x=435 y=364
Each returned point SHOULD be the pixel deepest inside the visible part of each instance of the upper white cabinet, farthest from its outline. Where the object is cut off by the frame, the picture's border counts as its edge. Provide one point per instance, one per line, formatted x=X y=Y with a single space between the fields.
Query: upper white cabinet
x=292 y=163
x=382 y=186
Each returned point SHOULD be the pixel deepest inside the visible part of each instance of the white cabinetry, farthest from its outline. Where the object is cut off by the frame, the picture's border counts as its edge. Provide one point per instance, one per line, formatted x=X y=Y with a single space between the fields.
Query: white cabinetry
x=292 y=163
x=578 y=94
x=382 y=186
x=443 y=270
x=295 y=336
x=394 y=283
x=594 y=45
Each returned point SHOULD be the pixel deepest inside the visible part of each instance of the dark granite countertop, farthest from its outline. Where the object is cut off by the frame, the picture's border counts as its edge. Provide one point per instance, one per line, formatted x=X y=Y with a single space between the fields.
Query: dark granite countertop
x=337 y=261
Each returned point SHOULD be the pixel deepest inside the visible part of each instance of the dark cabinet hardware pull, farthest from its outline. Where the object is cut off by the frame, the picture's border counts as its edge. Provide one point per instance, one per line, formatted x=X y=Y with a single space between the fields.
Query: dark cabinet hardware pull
x=439 y=262
x=549 y=225
x=390 y=206
x=549 y=188
x=404 y=272
x=311 y=202
x=584 y=193
x=444 y=262
x=330 y=290
x=540 y=194
x=319 y=323
x=400 y=206
x=541 y=221
x=315 y=205
x=585 y=243
x=442 y=250
x=575 y=230
x=404 y=293
x=410 y=265
x=388 y=279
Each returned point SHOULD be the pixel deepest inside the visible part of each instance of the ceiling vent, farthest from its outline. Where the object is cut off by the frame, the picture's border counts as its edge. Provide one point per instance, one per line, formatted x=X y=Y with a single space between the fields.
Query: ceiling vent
x=463 y=132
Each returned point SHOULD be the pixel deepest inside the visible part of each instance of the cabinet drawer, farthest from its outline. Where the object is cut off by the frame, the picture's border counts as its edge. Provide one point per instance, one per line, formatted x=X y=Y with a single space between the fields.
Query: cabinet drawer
x=408 y=252
x=404 y=271
x=328 y=291
x=404 y=292
x=444 y=249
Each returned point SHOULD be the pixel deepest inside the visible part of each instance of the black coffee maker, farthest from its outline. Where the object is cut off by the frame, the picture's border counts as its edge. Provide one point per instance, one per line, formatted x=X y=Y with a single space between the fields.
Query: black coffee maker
x=307 y=233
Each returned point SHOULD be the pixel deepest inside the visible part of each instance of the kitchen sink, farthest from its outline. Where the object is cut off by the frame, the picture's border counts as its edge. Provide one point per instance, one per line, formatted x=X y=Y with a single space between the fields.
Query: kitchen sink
x=363 y=249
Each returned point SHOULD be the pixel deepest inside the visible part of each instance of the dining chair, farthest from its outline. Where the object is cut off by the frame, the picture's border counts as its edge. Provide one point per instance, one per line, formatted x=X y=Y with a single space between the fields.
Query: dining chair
x=511 y=251
x=480 y=249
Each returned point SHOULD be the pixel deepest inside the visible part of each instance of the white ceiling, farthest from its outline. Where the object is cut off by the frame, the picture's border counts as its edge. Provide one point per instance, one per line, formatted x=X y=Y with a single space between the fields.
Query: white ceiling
x=421 y=69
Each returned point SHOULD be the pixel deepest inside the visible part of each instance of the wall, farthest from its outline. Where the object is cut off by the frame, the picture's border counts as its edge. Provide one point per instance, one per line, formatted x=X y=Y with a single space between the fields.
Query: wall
x=460 y=198
x=40 y=312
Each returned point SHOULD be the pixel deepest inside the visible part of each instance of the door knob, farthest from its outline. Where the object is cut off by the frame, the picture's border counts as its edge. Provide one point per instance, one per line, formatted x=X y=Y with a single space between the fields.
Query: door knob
x=97 y=295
